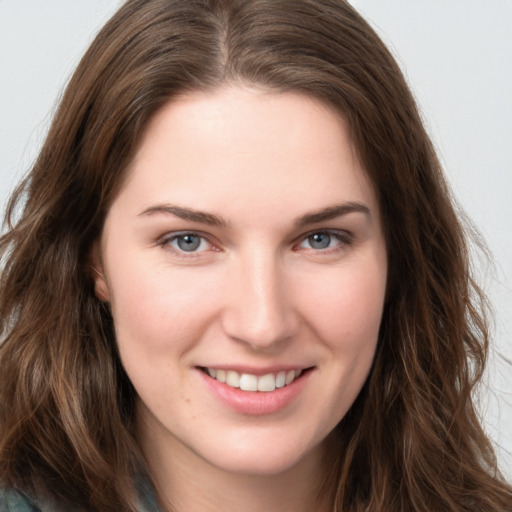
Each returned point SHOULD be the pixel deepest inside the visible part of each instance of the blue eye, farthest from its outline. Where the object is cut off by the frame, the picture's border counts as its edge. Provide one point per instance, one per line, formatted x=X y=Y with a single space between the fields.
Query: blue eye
x=188 y=242
x=322 y=240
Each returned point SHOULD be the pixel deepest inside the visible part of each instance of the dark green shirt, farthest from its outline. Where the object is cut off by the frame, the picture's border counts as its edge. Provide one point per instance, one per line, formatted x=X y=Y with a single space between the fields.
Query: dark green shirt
x=12 y=500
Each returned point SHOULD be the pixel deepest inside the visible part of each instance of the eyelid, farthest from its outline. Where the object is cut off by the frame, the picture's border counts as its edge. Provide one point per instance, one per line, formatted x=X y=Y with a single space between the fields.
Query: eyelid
x=165 y=242
x=345 y=238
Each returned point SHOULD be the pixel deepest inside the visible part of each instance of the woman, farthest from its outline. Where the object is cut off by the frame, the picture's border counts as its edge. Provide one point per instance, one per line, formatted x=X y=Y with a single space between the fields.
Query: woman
x=238 y=281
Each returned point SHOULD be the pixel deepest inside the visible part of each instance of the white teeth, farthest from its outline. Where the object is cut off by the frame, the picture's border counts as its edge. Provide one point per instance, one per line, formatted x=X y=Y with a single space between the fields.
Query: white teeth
x=249 y=382
x=232 y=379
x=267 y=382
x=281 y=379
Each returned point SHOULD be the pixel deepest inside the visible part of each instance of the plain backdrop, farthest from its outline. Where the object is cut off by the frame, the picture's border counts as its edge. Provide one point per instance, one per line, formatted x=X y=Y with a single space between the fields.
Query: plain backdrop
x=457 y=57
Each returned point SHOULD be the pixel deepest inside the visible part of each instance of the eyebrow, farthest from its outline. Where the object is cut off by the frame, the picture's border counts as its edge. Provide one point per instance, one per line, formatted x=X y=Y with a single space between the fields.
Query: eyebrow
x=332 y=212
x=325 y=214
x=185 y=214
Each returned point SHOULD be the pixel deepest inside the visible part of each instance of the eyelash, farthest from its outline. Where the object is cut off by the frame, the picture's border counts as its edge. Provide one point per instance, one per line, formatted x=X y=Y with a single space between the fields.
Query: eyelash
x=343 y=238
x=167 y=241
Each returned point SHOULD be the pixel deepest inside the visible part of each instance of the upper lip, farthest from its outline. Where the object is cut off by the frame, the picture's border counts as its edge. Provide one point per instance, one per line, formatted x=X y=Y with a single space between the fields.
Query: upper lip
x=258 y=371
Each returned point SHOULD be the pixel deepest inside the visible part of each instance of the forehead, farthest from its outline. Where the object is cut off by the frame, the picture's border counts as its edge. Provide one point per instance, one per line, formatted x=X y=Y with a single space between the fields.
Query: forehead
x=236 y=144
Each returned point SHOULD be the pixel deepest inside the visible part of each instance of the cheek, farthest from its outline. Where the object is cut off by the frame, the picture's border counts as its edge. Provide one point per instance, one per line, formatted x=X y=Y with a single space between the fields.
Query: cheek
x=345 y=308
x=157 y=324
x=155 y=309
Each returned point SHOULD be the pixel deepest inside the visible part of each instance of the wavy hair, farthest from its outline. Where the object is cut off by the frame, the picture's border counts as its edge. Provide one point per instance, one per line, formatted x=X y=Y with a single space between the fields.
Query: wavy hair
x=412 y=440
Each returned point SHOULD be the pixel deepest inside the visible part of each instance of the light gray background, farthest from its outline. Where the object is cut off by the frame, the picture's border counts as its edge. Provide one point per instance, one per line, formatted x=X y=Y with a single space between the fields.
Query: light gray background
x=457 y=56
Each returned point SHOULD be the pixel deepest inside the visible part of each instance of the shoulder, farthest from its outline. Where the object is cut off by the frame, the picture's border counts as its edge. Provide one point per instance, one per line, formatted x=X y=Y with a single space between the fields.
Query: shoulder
x=147 y=496
x=12 y=500
x=15 y=500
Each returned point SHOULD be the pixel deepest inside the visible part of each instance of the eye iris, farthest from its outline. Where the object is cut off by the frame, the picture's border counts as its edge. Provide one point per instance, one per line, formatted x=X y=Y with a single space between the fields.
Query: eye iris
x=320 y=240
x=188 y=242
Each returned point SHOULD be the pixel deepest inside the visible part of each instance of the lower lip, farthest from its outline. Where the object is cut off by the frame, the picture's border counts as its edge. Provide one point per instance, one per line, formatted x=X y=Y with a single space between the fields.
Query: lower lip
x=256 y=402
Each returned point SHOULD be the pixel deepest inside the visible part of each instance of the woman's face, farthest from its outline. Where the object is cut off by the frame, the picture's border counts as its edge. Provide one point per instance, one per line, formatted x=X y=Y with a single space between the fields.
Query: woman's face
x=245 y=245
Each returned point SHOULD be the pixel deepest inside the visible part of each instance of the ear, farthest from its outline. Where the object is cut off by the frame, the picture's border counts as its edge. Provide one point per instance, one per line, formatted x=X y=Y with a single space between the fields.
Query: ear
x=101 y=288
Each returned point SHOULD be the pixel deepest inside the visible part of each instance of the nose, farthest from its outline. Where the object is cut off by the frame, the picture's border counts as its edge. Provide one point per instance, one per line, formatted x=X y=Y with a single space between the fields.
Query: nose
x=258 y=307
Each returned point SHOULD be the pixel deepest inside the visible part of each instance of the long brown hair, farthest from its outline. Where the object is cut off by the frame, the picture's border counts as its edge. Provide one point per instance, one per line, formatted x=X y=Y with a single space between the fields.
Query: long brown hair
x=412 y=439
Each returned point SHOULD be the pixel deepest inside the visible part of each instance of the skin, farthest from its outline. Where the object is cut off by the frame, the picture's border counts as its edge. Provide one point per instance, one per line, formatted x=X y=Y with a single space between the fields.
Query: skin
x=257 y=293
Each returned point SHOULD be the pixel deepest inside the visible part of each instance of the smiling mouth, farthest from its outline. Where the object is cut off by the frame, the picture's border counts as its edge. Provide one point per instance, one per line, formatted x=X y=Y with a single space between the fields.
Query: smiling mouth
x=250 y=382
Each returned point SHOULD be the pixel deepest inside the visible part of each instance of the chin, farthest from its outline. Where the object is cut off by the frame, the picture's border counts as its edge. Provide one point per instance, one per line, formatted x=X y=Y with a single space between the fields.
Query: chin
x=263 y=459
